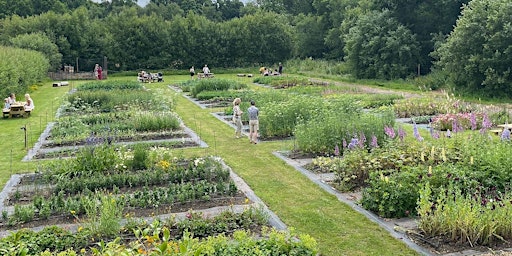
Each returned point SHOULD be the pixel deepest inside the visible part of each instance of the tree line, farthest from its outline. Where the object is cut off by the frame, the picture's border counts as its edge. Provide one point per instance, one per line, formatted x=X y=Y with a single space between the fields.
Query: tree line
x=463 y=42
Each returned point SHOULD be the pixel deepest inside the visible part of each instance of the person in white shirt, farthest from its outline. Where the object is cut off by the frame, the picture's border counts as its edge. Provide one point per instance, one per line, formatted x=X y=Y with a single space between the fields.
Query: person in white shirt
x=29 y=104
x=12 y=98
x=206 y=70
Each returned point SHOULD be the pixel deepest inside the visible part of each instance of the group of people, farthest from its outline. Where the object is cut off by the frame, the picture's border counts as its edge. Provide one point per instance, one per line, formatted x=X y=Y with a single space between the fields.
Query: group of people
x=98 y=72
x=28 y=105
x=264 y=71
x=206 y=71
x=253 y=113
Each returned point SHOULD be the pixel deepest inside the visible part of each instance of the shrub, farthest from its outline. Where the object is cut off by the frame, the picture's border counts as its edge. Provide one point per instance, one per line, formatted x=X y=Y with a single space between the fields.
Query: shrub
x=329 y=128
x=391 y=196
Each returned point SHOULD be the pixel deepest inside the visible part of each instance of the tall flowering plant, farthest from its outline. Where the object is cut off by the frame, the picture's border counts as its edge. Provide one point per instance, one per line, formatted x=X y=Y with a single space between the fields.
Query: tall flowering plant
x=458 y=122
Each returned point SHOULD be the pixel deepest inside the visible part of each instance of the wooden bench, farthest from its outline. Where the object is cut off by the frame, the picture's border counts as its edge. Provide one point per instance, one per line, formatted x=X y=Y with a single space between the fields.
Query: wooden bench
x=6 y=112
x=496 y=131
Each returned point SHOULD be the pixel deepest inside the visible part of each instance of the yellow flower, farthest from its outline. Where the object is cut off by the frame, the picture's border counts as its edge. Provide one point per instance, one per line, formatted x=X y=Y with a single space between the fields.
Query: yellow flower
x=82 y=250
x=80 y=228
x=386 y=179
x=247 y=200
x=72 y=212
x=150 y=239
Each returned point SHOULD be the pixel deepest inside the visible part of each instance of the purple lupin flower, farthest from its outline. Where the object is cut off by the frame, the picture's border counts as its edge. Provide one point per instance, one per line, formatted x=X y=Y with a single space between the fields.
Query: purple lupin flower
x=344 y=144
x=389 y=131
x=374 y=143
x=455 y=127
x=472 y=120
x=505 y=135
x=436 y=135
x=448 y=134
x=401 y=133
x=416 y=133
x=362 y=139
x=486 y=123
x=353 y=143
x=336 y=150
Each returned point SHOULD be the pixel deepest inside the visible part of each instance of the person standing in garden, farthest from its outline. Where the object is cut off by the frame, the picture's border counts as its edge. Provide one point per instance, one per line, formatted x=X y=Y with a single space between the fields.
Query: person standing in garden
x=206 y=70
x=96 y=70
x=280 y=69
x=237 y=117
x=253 y=122
x=100 y=73
x=192 y=72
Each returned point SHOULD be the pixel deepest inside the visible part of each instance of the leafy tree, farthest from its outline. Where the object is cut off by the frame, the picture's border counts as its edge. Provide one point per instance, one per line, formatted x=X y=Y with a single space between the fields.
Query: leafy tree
x=425 y=19
x=337 y=16
x=166 y=11
x=310 y=36
x=478 y=55
x=30 y=67
x=137 y=43
x=379 y=47
x=41 y=43
x=229 y=9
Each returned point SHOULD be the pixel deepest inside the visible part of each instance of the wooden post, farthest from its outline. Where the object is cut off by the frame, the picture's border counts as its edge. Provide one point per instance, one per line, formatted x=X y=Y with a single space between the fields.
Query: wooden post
x=105 y=67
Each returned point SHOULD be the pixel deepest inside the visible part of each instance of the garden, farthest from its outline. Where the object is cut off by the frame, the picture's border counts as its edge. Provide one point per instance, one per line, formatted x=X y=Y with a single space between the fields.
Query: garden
x=143 y=197
x=433 y=158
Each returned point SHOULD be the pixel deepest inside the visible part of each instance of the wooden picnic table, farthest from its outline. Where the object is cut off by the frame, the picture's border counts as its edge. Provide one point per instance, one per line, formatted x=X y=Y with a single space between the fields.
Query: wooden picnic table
x=203 y=75
x=17 y=109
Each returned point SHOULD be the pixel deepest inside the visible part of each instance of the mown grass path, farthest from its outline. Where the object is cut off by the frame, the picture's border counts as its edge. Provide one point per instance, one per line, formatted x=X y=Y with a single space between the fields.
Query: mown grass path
x=301 y=204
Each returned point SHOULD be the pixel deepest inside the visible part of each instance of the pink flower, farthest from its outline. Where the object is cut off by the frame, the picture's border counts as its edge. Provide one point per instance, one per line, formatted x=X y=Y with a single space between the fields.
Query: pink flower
x=374 y=143
x=389 y=131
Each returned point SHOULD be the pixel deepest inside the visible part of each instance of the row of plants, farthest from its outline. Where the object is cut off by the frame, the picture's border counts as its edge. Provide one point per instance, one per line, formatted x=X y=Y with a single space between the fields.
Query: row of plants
x=113 y=111
x=196 y=86
x=71 y=152
x=442 y=109
x=79 y=128
x=62 y=205
x=342 y=127
x=227 y=233
x=115 y=96
x=280 y=82
x=113 y=169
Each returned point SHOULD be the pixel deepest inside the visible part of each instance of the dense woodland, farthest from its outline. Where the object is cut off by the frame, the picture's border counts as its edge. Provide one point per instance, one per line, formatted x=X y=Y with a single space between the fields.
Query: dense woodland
x=461 y=42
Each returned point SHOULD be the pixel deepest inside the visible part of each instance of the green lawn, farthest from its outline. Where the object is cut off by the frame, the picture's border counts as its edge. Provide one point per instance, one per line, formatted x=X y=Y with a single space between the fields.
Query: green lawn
x=301 y=204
